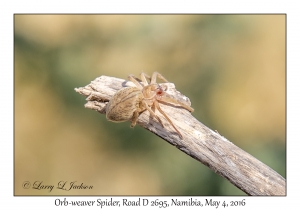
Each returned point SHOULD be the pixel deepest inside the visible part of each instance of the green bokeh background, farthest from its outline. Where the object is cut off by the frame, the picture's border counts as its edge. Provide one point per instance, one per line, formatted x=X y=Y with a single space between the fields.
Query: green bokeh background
x=232 y=67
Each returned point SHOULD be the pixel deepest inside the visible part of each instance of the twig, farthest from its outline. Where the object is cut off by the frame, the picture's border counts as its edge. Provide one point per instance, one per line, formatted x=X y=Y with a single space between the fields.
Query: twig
x=207 y=146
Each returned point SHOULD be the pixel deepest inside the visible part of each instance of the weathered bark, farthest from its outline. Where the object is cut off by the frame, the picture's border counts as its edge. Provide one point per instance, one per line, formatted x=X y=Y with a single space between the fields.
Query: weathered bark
x=210 y=148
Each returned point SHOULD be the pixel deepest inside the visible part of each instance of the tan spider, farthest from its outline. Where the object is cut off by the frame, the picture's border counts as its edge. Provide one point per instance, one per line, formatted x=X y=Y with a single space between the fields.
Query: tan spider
x=128 y=103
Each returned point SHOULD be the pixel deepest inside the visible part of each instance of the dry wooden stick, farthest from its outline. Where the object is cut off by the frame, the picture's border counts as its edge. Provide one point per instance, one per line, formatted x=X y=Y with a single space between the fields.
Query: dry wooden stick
x=210 y=148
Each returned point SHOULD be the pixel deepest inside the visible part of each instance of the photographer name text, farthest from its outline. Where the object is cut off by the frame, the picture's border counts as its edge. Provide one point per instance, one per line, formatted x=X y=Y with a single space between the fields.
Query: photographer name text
x=61 y=185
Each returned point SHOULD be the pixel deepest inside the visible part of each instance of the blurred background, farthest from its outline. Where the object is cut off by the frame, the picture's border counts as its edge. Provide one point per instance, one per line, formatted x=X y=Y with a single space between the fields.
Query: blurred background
x=232 y=67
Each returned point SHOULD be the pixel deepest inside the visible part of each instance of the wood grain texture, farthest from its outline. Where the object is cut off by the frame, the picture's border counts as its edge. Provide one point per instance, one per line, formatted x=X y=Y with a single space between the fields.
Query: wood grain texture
x=203 y=144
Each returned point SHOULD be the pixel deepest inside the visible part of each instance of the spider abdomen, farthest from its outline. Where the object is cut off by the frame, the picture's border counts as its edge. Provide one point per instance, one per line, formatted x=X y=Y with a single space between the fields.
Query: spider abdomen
x=123 y=104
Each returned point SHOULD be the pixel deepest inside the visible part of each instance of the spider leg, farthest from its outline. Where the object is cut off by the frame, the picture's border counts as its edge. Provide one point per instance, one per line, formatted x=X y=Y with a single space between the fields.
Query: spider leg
x=153 y=109
x=155 y=75
x=143 y=77
x=133 y=79
x=167 y=99
x=152 y=113
x=134 y=118
x=162 y=112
